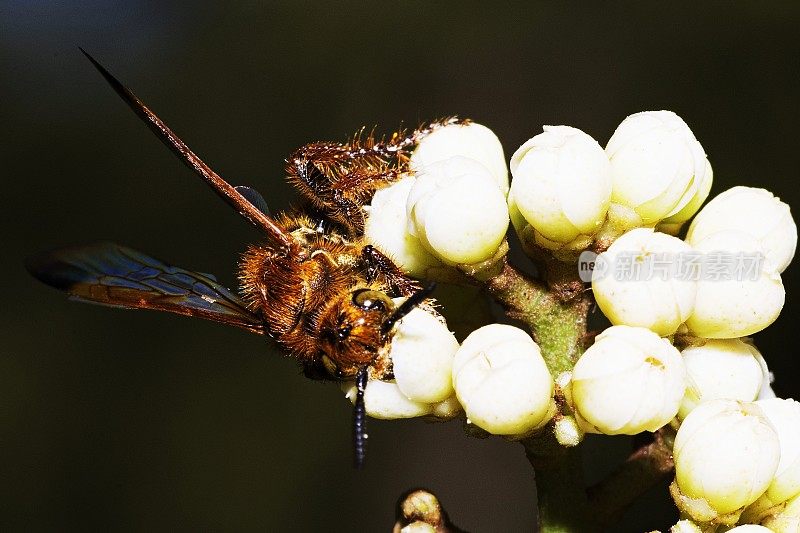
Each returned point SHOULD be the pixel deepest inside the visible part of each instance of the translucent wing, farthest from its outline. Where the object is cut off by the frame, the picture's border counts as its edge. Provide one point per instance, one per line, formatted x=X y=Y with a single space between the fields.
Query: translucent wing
x=110 y=274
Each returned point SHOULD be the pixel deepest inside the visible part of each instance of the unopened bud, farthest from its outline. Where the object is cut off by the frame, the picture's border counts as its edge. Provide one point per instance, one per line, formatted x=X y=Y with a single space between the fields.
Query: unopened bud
x=784 y=415
x=561 y=186
x=755 y=212
x=645 y=295
x=740 y=302
x=728 y=369
x=630 y=380
x=457 y=211
x=502 y=381
x=471 y=140
x=422 y=351
x=658 y=167
x=726 y=454
x=385 y=228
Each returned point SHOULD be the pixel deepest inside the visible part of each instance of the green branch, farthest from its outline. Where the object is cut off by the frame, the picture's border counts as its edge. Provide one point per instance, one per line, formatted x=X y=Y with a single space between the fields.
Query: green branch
x=558 y=324
x=558 y=327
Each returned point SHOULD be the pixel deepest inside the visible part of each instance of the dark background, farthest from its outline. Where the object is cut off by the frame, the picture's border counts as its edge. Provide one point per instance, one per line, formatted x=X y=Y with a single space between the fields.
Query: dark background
x=131 y=421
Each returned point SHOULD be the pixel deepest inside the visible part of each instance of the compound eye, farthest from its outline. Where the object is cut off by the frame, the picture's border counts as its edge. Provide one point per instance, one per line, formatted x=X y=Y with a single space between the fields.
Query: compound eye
x=370 y=300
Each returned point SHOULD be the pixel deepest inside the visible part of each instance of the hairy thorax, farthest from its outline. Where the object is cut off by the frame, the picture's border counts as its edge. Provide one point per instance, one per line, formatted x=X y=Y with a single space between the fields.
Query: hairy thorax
x=308 y=300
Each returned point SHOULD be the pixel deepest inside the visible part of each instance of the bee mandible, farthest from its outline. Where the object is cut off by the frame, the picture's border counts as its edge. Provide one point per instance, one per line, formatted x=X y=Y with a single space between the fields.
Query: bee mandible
x=314 y=286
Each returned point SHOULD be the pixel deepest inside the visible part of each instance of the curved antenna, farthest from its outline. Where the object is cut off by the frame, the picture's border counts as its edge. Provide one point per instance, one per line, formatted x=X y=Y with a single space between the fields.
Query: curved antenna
x=406 y=307
x=360 y=420
x=173 y=142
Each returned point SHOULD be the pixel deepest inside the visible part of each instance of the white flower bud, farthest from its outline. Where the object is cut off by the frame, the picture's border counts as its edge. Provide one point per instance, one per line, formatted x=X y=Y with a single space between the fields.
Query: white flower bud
x=784 y=415
x=422 y=351
x=630 y=380
x=502 y=381
x=385 y=228
x=786 y=519
x=755 y=212
x=649 y=293
x=418 y=527
x=471 y=140
x=673 y=224
x=749 y=528
x=766 y=391
x=726 y=454
x=447 y=409
x=567 y=431
x=737 y=304
x=658 y=167
x=485 y=336
x=562 y=184
x=530 y=238
x=457 y=211
x=384 y=400
x=727 y=369
x=685 y=526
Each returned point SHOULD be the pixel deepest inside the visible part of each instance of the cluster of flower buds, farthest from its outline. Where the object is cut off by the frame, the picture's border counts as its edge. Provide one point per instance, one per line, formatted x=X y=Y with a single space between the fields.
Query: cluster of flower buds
x=497 y=375
x=450 y=209
x=737 y=448
x=568 y=192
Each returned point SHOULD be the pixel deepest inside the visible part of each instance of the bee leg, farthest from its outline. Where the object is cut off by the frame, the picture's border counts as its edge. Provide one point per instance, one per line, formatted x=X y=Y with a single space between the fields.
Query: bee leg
x=407 y=306
x=381 y=268
x=338 y=180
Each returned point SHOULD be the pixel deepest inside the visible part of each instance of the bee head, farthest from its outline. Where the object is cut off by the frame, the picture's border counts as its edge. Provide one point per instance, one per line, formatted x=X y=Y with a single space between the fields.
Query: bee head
x=351 y=333
x=357 y=328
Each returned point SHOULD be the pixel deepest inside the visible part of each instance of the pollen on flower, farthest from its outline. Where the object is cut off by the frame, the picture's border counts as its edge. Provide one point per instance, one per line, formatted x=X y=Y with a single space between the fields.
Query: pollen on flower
x=654 y=362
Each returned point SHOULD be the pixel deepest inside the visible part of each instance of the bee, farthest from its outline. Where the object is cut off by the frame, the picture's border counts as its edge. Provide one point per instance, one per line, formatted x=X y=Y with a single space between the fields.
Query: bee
x=314 y=285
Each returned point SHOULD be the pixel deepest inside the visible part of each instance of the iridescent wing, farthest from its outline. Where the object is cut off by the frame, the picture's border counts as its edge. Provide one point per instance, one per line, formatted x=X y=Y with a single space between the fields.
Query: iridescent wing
x=109 y=274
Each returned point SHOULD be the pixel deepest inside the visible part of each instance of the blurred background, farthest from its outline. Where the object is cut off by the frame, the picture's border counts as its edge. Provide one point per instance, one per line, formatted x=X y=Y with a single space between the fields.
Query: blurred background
x=120 y=420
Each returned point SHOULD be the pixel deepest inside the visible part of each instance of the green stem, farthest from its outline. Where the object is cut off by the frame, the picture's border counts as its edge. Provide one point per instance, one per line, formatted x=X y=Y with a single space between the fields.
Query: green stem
x=558 y=324
x=560 y=492
x=556 y=314
x=558 y=327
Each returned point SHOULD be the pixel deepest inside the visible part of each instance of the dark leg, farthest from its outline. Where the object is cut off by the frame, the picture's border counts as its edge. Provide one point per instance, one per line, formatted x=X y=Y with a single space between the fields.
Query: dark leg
x=381 y=268
x=411 y=302
x=340 y=178
x=360 y=420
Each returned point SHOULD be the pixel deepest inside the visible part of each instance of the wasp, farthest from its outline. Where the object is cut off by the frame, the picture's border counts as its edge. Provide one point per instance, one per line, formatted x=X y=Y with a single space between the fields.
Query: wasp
x=314 y=285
